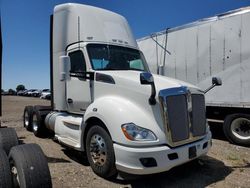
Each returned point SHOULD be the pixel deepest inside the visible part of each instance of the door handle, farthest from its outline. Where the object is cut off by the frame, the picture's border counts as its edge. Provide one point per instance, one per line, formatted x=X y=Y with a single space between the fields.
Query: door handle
x=70 y=100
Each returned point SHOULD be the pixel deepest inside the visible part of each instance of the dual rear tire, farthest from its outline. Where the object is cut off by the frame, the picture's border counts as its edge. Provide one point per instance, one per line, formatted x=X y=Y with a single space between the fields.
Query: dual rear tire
x=33 y=119
x=5 y=174
x=29 y=167
x=21 y=165
x=8 y=139
x=27 y=118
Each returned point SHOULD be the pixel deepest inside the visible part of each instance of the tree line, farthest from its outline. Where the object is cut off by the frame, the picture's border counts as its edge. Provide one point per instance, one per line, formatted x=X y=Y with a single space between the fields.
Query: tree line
x=19 y=87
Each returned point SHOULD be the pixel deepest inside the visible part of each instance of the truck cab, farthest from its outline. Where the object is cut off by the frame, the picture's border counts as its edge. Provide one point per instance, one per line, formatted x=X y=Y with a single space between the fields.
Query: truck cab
x=106 y=102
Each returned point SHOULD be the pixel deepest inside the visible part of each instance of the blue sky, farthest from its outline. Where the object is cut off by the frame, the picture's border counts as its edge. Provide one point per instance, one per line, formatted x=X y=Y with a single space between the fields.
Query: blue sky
x=25 y=27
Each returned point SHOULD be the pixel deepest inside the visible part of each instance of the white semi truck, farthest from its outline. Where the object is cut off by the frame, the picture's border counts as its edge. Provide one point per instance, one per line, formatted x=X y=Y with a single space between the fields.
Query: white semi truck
x=216 y=46
x=106 y=102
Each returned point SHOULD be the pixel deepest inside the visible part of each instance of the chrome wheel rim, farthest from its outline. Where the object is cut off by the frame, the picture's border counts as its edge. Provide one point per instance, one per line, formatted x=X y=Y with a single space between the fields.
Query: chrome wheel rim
x=98 y=150
x=15 y=176
x=26 y=119
x=35 y=126
x=240 y=128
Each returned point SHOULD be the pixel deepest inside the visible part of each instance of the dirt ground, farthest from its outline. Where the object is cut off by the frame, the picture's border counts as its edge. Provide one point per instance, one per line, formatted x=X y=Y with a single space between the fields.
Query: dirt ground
x=226 y=165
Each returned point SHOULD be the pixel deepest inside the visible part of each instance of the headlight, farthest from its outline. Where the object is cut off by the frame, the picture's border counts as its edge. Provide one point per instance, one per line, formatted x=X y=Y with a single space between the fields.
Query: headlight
x=136 y=133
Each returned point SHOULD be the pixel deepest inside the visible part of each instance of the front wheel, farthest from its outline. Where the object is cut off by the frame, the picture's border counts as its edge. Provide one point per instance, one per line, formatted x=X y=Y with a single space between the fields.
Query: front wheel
x=237 y=128
x=100 y=152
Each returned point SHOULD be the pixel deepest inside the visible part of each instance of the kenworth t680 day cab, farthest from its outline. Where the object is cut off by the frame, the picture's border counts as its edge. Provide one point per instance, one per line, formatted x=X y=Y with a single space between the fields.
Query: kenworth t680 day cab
x=106 y=102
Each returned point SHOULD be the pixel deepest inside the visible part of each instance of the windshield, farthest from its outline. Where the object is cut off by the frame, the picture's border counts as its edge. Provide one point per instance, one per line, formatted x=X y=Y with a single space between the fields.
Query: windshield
x=109 y=57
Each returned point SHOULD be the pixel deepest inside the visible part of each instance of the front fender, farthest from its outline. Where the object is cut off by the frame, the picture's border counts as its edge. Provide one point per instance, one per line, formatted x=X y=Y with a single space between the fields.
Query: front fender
x=115 y=111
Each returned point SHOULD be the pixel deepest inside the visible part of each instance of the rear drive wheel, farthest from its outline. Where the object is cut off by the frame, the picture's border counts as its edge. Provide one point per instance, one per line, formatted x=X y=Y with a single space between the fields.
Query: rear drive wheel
x=100 y=152
x=237 y=129
x=29 y=167
x=5 y=175
x=27 y=117
x=8 y=139
x=38 y=124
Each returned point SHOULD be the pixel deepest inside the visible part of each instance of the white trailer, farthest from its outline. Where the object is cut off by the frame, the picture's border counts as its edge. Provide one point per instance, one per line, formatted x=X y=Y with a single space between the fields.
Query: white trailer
x=216 y=46
x=105 y=101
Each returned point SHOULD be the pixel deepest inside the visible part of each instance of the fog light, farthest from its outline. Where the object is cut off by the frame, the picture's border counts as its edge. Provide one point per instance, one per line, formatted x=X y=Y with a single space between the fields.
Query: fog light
x=148 y=162
x=173 y=156
x=205 y=145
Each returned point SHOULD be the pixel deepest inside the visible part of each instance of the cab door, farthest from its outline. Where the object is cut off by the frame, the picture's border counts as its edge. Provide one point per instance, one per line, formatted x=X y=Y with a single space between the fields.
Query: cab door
x=78 y=93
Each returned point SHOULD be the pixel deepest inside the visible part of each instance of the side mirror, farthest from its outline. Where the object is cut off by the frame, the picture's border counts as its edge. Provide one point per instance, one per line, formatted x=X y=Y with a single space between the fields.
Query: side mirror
x=147 y=78
x=215 y=82
x=64 y=66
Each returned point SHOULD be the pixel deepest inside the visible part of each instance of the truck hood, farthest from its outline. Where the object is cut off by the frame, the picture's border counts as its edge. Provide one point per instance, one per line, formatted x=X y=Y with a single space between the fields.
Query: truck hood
x=131 y=79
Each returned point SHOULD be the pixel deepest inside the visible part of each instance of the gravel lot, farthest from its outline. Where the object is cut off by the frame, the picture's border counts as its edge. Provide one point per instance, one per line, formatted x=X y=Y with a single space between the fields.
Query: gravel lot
x=226 y=165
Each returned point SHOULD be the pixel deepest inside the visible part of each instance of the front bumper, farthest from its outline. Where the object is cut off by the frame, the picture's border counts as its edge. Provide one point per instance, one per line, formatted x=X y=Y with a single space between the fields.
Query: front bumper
x=128 y=159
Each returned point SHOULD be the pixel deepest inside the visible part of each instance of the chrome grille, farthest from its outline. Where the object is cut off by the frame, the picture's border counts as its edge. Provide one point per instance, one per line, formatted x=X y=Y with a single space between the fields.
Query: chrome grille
x=176 y=108
x=198 y=117
x=184 y=115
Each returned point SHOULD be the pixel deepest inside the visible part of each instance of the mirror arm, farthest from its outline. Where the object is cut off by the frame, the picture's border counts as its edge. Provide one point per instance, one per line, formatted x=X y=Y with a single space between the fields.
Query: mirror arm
x=208 y=89
x=151 y=99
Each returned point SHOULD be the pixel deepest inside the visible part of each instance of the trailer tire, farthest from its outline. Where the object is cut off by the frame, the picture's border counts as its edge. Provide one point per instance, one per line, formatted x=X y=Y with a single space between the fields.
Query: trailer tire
x=237 y=129
x=28 y=117
x=100 y=152
x=38 y=124
x=29 y=167
x=5 y=175
x=8 y=139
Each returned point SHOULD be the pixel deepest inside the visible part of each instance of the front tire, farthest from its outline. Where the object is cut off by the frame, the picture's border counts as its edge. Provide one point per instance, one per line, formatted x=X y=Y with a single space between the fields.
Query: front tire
x=100 y=152
x=237 y=129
